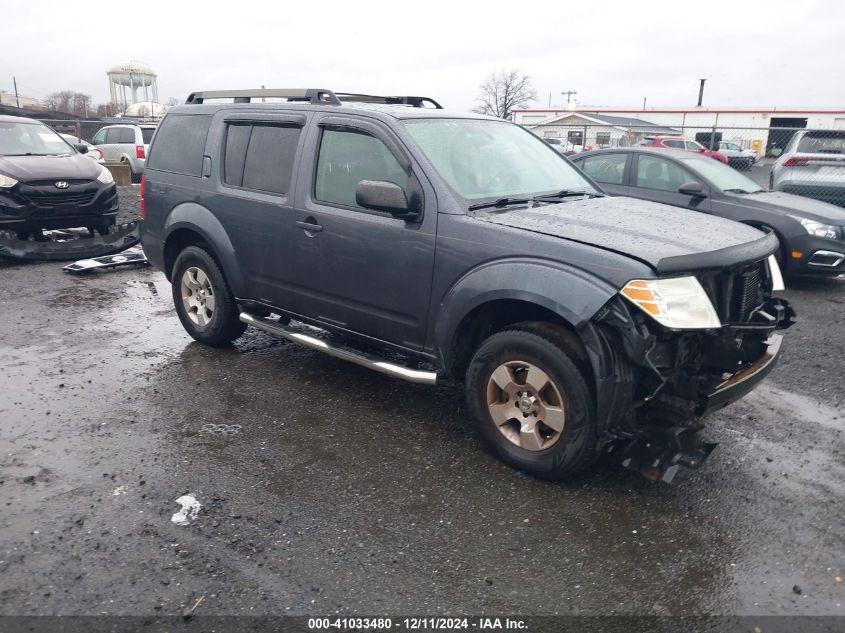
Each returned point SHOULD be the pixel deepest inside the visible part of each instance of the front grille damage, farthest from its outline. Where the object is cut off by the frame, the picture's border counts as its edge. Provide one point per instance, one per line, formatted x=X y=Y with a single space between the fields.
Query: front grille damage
x=673 y=373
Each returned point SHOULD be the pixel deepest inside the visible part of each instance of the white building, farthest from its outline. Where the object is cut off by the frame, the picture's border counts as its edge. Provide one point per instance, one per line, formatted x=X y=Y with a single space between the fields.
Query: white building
x=751 y=127
x=599 y=130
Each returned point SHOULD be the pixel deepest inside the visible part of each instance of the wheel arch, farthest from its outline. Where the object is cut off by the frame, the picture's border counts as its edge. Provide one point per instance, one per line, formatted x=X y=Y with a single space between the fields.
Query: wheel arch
x=504 y=293
x=190 y=224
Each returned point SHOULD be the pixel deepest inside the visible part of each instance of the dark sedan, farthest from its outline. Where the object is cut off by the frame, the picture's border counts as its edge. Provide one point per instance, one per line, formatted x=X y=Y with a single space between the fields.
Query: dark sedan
x=811 y=233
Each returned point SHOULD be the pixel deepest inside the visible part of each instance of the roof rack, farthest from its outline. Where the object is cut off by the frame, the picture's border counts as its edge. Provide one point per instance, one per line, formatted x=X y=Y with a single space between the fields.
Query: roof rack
x=311 y=95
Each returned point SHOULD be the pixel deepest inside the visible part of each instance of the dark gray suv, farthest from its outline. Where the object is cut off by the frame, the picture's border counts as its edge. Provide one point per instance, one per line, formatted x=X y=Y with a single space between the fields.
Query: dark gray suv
x=426 y=244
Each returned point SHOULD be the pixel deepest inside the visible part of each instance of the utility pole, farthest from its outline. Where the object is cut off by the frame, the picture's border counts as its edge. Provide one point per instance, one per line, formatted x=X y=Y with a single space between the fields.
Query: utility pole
x=569 y=94
x=701 y=92
x=17 y=100
x=644 y=100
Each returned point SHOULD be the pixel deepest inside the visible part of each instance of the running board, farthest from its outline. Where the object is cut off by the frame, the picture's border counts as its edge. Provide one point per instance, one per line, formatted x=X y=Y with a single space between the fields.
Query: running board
x=391 y=369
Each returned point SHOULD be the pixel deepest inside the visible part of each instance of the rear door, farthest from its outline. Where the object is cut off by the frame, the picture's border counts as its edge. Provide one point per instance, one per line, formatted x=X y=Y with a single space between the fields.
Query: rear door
x=254 y=199
x=658 y=178
x=608 y=170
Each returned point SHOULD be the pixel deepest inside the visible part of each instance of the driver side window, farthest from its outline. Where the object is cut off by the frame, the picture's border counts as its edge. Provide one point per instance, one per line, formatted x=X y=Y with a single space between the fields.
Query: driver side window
x=346 y=158
x=658 y=173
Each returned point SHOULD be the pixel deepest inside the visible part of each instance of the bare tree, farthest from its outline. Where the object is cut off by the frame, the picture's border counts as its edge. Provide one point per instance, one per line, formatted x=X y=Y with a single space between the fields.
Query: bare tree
x=503 y=91
x=69 y=101
x=172 y=101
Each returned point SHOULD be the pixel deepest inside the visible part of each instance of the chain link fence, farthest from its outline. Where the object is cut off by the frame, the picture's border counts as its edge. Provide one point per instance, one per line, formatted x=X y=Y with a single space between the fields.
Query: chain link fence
x=806 y=162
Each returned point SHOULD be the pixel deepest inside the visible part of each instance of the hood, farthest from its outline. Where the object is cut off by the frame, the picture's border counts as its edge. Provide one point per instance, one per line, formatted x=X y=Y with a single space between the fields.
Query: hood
x=29 y=168
x=787 y=203
x=669 y=239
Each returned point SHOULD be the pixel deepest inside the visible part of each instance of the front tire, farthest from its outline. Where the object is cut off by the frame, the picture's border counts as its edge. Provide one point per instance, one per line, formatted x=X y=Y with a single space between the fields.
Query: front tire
x=203 y=301
x=532 y=402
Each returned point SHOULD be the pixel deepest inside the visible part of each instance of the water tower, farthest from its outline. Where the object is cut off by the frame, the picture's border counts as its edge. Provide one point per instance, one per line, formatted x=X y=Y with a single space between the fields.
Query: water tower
x=131 y=83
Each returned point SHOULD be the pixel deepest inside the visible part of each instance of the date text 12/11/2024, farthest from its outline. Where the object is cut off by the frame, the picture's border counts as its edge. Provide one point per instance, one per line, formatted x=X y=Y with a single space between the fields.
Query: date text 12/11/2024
x=415 y=624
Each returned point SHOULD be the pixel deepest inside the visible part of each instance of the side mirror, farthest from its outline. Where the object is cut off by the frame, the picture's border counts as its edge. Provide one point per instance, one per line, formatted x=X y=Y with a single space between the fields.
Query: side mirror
x=693 y=188
x=381 y=195
x=82 y=148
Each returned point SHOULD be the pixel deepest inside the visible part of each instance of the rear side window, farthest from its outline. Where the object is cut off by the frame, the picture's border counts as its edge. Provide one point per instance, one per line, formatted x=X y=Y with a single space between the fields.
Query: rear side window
x=260 y=156
x=606 y=168
x=180 y=144
x=114 y=135
x=673 y=143
x=127 y=135
x=147 y=134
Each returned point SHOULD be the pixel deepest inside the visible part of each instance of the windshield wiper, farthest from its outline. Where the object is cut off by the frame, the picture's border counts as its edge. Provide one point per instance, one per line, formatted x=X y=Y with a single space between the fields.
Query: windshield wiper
x=35 y=154
x=567 y=193
x=500 y=203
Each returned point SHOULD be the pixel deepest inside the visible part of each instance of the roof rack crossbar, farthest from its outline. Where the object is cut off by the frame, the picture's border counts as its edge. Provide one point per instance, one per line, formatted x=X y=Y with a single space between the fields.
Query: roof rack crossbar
x=416 y=102
x=312 y=95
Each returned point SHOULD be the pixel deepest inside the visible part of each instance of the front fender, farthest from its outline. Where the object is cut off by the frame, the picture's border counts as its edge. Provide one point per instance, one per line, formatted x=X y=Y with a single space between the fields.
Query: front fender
x=194 y=217
x=572 y=293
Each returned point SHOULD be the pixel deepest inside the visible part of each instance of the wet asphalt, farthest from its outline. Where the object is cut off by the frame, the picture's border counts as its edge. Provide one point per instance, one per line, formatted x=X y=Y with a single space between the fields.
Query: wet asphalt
x=326 y=488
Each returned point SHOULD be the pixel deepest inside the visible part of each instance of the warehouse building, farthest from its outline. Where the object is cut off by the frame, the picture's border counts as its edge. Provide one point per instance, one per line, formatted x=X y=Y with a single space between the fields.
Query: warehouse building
x=752 y=127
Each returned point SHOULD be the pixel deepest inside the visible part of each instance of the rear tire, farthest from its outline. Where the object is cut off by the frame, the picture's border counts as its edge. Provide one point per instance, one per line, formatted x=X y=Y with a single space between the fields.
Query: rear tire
x=203 y=301
x=532 y=403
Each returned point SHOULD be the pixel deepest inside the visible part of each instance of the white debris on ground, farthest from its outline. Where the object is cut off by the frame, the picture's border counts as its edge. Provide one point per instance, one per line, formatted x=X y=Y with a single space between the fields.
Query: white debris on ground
x=190 y=509
x=120 y=490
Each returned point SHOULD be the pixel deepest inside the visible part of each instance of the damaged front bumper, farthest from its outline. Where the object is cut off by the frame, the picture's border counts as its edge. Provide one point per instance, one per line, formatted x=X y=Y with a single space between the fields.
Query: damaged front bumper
x=654 y=386
x=744 y=381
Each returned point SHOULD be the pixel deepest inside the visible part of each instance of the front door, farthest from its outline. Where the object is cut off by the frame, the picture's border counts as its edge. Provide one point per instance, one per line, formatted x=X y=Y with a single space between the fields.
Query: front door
x=374 y=269
x=657 y=179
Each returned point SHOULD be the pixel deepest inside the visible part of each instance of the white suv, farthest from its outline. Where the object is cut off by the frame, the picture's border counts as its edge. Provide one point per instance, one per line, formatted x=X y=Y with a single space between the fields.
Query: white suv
x=125 y=143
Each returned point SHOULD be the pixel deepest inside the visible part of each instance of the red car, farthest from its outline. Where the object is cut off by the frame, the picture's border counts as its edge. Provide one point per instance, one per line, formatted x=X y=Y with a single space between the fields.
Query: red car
x=678 y=142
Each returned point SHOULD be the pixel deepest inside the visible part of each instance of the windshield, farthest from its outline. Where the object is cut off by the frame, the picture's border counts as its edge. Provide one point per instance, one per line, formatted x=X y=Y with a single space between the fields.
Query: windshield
x=723 y=177
x=484 y=159
x=695 y=145
x=31 y=139
x=730 y=146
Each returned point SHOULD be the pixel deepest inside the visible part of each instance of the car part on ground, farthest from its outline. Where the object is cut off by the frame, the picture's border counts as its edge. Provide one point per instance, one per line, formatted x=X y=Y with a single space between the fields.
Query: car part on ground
x=69 y=244
x=448 y=244
x=811 y=233
x=133 y=256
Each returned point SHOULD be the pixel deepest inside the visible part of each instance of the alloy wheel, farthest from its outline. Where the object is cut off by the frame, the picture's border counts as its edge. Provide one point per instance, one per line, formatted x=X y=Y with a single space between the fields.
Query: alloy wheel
x=525 y=405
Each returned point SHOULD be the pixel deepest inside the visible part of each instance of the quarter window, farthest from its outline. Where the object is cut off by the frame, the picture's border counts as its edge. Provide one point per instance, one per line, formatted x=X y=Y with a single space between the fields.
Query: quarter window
x=346 y=158
x=180 y=144
x=657 y=173
x=606 y=168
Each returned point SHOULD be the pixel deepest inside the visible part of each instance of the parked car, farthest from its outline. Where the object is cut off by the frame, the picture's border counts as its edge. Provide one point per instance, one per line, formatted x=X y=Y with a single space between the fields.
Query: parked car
x=812 y=165
x=738 y=157
x=126 y=143
x=564 y=146
x=678 y=142
x=811 y=233
x=91 y=152
x=433 y=243
x=46 y=183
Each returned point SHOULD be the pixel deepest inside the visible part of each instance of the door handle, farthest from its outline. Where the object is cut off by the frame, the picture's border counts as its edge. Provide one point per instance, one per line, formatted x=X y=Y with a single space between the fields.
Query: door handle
x=309 y=225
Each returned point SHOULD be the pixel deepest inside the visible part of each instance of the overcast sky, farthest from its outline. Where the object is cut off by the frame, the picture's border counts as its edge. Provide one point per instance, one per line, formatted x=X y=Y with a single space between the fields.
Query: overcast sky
x=754 y=53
